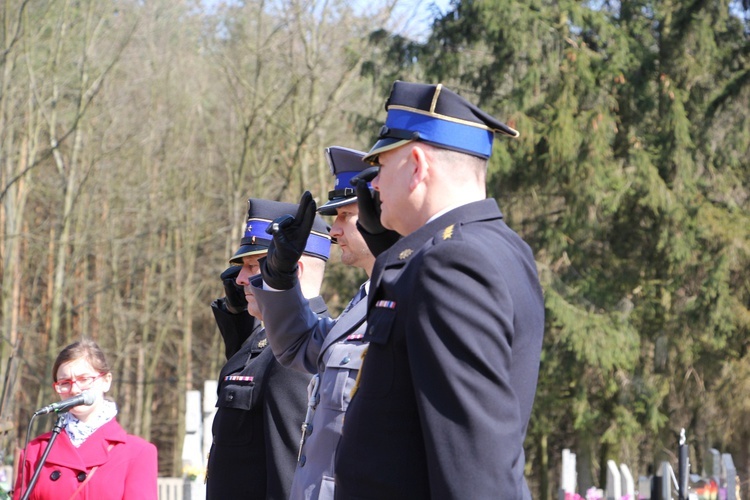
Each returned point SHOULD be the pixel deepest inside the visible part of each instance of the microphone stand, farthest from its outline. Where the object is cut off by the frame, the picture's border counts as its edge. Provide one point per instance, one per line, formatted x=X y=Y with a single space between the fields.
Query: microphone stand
x=55 y=432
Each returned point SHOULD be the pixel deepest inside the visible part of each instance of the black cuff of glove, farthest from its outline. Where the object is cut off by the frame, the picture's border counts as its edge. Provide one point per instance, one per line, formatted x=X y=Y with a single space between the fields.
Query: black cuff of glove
x=277 y=280
x=379 y=242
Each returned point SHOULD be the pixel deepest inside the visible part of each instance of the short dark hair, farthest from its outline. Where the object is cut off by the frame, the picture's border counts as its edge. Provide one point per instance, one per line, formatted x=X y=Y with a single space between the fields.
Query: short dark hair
x=86 y=349
x=470 y=164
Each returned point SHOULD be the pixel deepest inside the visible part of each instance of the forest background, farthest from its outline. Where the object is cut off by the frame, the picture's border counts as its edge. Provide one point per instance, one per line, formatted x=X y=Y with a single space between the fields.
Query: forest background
x=132 y=133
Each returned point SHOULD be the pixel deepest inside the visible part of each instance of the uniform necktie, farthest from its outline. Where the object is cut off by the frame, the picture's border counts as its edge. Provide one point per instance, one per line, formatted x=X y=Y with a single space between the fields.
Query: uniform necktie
x=361 y=294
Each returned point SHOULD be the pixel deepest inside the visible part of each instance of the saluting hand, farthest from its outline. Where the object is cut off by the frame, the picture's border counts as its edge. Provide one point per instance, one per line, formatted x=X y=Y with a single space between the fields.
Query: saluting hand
x=279 y=267
x=377 y=237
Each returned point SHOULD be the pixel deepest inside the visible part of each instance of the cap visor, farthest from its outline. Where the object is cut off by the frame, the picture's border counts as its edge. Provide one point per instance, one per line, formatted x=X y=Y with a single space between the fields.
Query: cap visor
x=382 y=146
x=247 y=251
x=330 y=207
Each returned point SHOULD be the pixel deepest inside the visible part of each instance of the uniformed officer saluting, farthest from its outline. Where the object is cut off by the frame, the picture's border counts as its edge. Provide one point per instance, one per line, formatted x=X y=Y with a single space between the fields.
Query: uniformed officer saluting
x=455 y=316
x=330 y=349
x=260 y=403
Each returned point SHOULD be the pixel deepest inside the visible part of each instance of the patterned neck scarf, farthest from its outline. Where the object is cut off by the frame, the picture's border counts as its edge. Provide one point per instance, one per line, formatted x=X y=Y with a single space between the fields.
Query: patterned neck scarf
x=79 y=431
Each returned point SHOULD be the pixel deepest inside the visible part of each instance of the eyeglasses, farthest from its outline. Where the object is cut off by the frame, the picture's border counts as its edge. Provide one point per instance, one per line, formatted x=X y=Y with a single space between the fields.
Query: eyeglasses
x=64 y=386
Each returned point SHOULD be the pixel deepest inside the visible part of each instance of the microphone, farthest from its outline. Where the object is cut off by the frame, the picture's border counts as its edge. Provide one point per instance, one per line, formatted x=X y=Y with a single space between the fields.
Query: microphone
x=85 y=398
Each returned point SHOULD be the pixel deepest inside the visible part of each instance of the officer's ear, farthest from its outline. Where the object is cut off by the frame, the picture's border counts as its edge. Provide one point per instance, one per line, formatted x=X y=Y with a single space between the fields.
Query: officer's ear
x=420 y=165
x=300 y=269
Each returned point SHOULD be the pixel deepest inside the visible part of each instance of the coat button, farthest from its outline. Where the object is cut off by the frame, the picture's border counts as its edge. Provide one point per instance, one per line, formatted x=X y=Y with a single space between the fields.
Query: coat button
x=230 y=397
x=81 y=477
x=55 y=475
x=345 y=360
x=302 y=460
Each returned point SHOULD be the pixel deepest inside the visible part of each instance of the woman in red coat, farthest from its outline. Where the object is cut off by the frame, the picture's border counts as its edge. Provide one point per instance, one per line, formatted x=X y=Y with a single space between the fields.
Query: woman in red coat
x=93 y=458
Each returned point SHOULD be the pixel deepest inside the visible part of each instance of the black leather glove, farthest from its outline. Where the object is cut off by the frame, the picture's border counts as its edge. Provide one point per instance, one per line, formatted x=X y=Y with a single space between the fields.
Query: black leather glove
x=279 y=267
x=377 y=238
x=235 y=295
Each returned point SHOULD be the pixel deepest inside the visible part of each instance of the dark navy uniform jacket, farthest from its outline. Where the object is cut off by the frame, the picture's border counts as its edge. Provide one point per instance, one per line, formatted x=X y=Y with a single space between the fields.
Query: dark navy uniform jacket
x=455 y=325
x=256 y=430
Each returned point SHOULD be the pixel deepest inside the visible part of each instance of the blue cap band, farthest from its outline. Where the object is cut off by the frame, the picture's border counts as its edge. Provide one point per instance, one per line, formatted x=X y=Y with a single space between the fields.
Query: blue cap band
x=445 y=133
x=318 y=245
x=343 y=178
x=255 y=230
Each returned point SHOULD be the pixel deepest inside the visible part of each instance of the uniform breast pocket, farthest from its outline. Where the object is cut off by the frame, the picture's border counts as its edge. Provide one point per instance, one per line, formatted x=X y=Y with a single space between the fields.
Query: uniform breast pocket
x=236 y=395
x=342 y=367
x=377 y=375
x=380 y=322
x=233 y=422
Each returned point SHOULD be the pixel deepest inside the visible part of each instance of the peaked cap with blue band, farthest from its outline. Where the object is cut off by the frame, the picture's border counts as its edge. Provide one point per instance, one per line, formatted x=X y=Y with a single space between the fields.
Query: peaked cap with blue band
x=345 y=163
x=260 y=214
x=435 y=115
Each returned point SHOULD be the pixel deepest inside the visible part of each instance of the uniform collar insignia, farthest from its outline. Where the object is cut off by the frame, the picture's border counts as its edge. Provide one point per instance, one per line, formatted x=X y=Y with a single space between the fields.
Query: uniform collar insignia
x=448 y=232
x=405 y=254
x=262 y=343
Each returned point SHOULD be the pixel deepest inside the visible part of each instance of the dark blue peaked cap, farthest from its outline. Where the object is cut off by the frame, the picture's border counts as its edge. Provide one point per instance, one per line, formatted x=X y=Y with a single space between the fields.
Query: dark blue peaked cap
x=345 y=163
x=260 y=214
x=435 y=115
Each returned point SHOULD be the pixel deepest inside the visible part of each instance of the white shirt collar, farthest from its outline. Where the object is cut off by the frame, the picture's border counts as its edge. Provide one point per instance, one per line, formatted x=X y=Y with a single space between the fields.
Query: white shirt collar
x=445 y=211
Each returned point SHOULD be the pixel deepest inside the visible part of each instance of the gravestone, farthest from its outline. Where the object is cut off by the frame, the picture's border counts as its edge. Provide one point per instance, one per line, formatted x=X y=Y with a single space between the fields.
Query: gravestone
x=626 y=481
x=614 y=486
